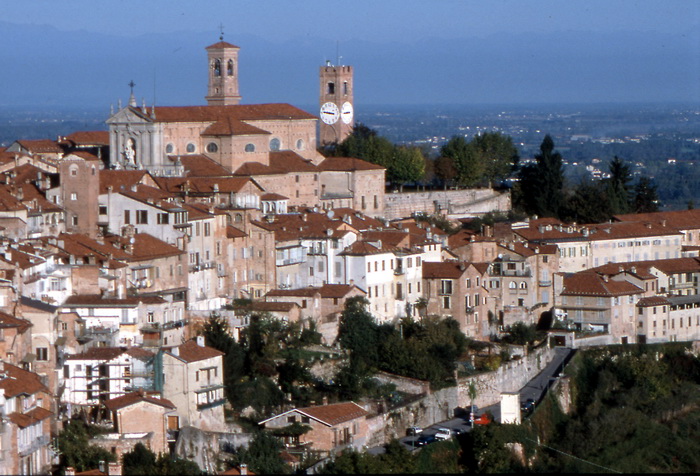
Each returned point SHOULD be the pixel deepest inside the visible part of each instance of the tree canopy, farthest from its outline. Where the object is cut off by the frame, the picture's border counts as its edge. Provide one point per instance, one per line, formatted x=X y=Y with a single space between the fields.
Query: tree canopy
x=542 y=183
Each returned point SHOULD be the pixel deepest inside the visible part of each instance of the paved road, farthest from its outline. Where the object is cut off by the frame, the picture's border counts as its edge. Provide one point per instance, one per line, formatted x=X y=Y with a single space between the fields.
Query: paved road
x=535 y=389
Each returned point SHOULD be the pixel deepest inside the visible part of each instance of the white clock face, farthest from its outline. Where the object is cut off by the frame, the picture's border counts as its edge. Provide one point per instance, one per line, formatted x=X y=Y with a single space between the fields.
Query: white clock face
x=330 y=113
x=346 y=113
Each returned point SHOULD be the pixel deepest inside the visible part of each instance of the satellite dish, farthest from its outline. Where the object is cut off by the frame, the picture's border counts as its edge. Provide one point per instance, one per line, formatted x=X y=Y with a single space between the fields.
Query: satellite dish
x=330 y=214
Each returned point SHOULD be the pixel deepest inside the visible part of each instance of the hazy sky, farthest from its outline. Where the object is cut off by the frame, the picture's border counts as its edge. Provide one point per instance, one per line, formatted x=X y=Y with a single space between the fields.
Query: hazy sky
x=403 y=51
x=380 y=20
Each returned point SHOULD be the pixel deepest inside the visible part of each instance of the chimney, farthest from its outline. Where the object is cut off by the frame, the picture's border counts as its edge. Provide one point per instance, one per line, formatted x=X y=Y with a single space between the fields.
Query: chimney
x=175 y=351
x=243 y=469
x=200 y=341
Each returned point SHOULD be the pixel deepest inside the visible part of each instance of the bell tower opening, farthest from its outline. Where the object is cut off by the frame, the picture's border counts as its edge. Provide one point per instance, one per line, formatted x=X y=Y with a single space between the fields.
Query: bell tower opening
x=223 y=74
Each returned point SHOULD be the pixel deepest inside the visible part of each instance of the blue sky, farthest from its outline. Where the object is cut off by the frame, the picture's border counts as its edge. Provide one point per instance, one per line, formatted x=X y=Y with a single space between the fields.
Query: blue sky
x=404 y=51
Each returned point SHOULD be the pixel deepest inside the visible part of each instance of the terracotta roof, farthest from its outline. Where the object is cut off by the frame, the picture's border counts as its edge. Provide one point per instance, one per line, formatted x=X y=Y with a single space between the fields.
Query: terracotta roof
x=136 y=397
x=98 y=138
x=347 y=164
x=7 y=321
x=443 y=269
x=198 y=165
x=152 y=196
x=241 y=112
x=206 y=185
x=121 y=179
x=335 y=413
x=82 y=155
x=642 y=268
x=98 y=353
x=221 y=44
x=256 y=168
x=273 y=196
x=35 y=415
x=18 y=381
x=95 y=300
x=191 y=352
x=653 y=301
x=233 y=232
x=364 y=248
x=140 y=353
x=554 y=231
x=39 y=146
x=290 y=161
x=148 y=247
x=299 y=292
x=271 y=306
x=336 y=290
x=587 y=283
x=236 y=471
x=679 y=219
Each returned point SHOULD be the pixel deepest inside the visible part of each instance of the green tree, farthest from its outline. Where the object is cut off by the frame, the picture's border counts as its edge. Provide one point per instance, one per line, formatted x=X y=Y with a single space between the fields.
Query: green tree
x=76 y=450
x=358 y=333
x=445 y=170
x=542 y=183
x=364 y=143
x=217 y=335
x=646 y=199
x=408 y=165
x=496 y=153
x=619 y=191
x=466 y=160
x=588 y=204
x=142 y=461
x=263 y=454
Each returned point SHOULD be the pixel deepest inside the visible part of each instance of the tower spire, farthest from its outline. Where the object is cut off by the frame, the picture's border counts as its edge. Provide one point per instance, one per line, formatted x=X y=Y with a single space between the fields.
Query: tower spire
x=132 y=98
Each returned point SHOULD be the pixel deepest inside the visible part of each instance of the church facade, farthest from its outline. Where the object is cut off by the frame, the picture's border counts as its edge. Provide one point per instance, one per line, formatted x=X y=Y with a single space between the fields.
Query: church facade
x=276 y=144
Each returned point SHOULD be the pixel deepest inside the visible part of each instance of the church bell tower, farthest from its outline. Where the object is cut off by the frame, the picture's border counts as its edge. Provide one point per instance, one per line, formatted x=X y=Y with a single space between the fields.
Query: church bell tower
x=223 y=74
x=336 y=100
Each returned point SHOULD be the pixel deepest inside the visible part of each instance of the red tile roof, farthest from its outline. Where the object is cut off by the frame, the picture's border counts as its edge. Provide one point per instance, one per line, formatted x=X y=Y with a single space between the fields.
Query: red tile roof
x=17 y=381
x=35 y=415
x=587 y=283
x=347 y=164
x=653 y=301
x=443 y=269
x=335 y=413
x=136 y=397
x=198 y=165
x=86 y=138
x=190 y=351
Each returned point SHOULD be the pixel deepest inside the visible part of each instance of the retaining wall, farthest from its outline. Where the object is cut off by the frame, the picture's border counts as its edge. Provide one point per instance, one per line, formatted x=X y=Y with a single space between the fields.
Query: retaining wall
x=453 y=203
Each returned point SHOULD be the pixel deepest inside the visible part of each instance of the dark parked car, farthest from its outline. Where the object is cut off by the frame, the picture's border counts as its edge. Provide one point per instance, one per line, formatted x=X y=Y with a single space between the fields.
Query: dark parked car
x=414 y=431
x=425 y=440
x=527 y=406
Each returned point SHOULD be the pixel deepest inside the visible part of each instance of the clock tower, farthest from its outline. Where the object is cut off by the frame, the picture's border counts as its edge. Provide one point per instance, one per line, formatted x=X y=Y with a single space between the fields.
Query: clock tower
x=223 y=74
x=336 y=101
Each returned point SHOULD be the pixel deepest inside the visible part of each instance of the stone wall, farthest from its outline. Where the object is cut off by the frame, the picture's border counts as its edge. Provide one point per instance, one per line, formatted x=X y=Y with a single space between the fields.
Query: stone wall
x=453 y=203
x=425 y=410
x=206 y=447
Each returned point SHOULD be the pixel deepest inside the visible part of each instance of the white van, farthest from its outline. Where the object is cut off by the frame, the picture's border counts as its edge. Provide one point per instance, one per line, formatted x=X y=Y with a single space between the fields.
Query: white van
x=443 y=434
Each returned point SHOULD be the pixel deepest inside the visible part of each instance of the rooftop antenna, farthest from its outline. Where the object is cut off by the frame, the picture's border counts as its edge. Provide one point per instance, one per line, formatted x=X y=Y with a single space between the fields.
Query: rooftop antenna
x=221 y=27
x=132 y=98
x=337 y=52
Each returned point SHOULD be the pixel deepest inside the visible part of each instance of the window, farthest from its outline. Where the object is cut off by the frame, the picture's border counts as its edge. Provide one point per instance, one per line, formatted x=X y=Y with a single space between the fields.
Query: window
x=127 y=217
x=163 y=218
x=212 y=147
x=207 y=229
x=250 y=147
x=103 y=210
x=169 y=149
x=42 y=354
x=300 y=144
x=142 y=217
x=75 y=220
x=229 y=67
x=446 y=286
x=73 y=196
x=330 y=88
x=150 y=317
x=191 y=148
x=446 y=302
x=275 y=144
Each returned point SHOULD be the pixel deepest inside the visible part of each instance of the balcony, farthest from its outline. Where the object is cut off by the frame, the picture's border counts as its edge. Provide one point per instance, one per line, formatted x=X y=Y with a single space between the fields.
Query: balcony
x=545 y=283
x=399 y=271
x=212 y=404
x=35 y=445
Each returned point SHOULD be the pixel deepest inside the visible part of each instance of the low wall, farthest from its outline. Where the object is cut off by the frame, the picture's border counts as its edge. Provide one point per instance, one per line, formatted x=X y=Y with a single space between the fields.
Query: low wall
x=442 y=404
x=453 y=203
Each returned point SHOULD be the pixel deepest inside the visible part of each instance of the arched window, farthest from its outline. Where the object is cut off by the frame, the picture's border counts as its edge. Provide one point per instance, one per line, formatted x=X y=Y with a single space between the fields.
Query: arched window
x=250 y=147
x=275 y=144
x=229 y=68
x=217 y=67
x=512 y=285
x=169 y=149
x=300 y=144
x=191 y=148
x=212 y=147
x=523 y=285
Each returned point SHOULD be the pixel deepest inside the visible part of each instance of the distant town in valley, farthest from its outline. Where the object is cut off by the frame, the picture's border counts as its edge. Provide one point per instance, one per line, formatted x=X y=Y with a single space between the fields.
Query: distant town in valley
x=235 y=288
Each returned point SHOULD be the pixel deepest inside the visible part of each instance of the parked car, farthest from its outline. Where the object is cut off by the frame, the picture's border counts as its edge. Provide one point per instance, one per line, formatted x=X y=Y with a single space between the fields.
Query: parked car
x=425 y=439
x=484 y=419
x=527 y=406
x=414 y=431
x=443 y=434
